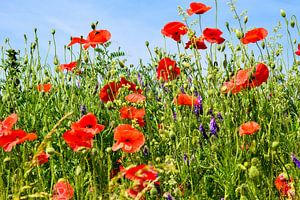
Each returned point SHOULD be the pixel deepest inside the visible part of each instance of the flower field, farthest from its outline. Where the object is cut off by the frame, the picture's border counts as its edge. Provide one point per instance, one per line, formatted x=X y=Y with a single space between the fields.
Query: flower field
x=218 y=119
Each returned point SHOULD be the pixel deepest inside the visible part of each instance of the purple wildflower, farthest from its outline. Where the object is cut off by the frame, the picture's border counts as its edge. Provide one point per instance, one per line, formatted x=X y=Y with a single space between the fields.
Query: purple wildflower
x=219 y=116
x=174 y=115
x=83 y=110
x=295 y=160
x=182 y=90
x=146 y=151
x=198 y=109
x=185 y=157
x=202 y=130
x=140 y=80
x=210 y=111
x=168 y=196
x=213 y=127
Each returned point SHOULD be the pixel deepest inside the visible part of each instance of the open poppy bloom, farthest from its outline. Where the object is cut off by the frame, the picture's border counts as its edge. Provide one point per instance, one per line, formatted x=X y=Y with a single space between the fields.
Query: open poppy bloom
x=128 y=139
x=62 y=190
x=174 y=30
x=186 y=100
x=244 y=79
x=7 y=142
x=131 y=86
x=197 y=43
x=129 y=112
x=141 y=173
x=78 y=138
x=109 y=92
x=135 y=98
x=69 y=66
x=298 y=51
x=197 y=8
x=285 y=186
x=213 y=35
x=7 y=124
x=254 y=35
x=88 y=124
x=95 y=37
x=167 y=69
x=248 y=128
x=42 y=158
x=44 y=87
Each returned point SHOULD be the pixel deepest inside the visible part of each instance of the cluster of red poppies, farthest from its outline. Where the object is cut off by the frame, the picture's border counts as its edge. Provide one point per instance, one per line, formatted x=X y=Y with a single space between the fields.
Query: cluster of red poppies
x=9 y=137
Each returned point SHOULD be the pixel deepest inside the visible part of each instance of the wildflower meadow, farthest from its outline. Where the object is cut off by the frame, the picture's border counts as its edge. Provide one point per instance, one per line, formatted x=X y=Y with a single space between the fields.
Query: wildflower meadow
x=217 y=119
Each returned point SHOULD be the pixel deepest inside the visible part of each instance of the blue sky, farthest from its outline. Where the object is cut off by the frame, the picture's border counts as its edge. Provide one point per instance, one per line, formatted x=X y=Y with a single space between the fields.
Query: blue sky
x=131 y=22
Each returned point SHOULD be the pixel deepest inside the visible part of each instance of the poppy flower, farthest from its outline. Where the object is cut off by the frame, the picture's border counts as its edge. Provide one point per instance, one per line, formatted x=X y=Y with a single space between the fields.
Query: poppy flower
x=88 y=124
x=135 y=190
x=44 y=87
x=132 y=87
x=62 y=190
x=167 y=69
x=78 y=138
x=95 y=37
x=186 y=100
x=42 y=158
x=128 y=138
x=129 y=112
x=7 y=124
x=69 y=66
x=248 y=128
x=141 y=173
x=135 y=98
x=260 y=76
x=174 y=30
x=197 y=8
x=213 y=35
x=197 y=43
x=109 y=92
x=284 y=186
x=7 y=142
x=254 y=35
x=298 y=51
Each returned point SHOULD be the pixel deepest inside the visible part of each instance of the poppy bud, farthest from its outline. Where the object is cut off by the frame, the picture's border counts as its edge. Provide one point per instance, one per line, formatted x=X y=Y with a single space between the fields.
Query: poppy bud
x=25 y=59
x=223 y=47
x=93 y=26
x=219 y=48
x=50 y=150
x=292 y=23
x=282 y=13
x=277 y=53
x=263 y=44
x=238 y=48
x=253 y=172
x=55 y=60
x=33 y=45
x=108 y=150
x=147 y=43
x=246 y=164
x=242 y=167
x=246 y=19
x=239 y=34
x=227 y=26
x=53 y=32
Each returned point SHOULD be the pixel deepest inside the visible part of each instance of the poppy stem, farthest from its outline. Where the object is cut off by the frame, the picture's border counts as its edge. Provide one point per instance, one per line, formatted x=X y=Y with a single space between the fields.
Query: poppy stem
x=262 y=56
x=216 y=4
x=200 y=23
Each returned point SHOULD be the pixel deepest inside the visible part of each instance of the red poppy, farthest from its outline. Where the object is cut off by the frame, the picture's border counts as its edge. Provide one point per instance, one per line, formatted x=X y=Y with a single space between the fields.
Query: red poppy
x=186 y=100
x=284 y=186
x=62 y=190
x=95 y=37
x=167 y=69
x=128 y=138
x=244 y=79
x=260 y=76
x=44 y=87
x=135 y=190
x=213 y=35
x=174 y=30
x=69 y=66
x=7 y=142
x=88 y=124
x=42 y=158
x=248 y=128
x=132 y=86
x=197 y=8
x=129 y=112
x=7 y=124
x=254 y=35
x=195 y=42
x=78 y=138
x=141 y=173
x=109 y=92
x=298 y=51
x=135 y=98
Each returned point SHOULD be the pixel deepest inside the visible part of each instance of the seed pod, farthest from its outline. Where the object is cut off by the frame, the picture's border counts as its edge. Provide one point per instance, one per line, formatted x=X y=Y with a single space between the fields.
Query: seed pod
x=292 y=23
x=282 y=13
